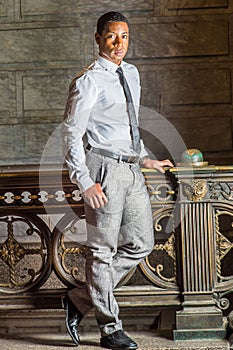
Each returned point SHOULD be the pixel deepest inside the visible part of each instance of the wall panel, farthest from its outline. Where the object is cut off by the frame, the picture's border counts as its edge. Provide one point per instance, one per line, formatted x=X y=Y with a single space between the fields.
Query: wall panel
x=9 y=147
x=149 y=92
x=179 y=39
x=8 y=98
x=39 y=45
x=196 y=86
x=6 y=10
x=191 y=7
x=196 y=4
x=167 y=139
x=204 y=133
x=43 y=7
x=35 y=138
x=44 y=95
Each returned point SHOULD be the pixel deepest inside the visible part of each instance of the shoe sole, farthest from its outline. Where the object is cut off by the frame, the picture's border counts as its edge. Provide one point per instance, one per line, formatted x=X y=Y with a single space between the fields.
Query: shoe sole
x=118 y=348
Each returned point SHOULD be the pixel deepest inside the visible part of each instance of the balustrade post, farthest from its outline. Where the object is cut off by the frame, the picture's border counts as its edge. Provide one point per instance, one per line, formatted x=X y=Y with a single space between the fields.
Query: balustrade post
x=199 y=317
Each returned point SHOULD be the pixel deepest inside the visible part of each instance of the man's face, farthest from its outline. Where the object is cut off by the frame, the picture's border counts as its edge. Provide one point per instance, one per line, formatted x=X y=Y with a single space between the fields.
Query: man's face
x=113 y=43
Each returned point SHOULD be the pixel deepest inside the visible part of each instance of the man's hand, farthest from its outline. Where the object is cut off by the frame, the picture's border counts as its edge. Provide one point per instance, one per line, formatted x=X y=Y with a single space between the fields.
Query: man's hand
x=95 y=197
x=157 y=164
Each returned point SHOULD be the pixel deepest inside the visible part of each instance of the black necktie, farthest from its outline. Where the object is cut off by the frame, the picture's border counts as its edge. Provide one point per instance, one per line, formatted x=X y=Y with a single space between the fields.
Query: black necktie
x=131 y=112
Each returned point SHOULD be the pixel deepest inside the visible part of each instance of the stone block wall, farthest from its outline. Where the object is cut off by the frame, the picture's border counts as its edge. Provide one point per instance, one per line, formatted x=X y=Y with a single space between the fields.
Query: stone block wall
x=182 y=48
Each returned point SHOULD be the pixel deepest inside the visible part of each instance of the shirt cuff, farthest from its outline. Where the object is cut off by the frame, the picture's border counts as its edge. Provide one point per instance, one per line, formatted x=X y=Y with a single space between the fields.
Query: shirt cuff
x=87 y=183
x=84 y=183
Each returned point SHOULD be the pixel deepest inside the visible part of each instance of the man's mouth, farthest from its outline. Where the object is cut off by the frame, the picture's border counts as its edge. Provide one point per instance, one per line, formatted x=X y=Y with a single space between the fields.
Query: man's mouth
x=118 y=52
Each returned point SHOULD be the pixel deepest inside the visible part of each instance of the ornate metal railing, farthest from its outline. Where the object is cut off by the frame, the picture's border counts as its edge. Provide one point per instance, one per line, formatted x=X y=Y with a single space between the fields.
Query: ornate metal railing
x=26 y=238
x=42 y=231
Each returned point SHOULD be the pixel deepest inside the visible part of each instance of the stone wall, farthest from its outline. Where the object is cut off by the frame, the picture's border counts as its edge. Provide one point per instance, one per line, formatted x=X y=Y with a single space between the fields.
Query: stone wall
x=183 y=49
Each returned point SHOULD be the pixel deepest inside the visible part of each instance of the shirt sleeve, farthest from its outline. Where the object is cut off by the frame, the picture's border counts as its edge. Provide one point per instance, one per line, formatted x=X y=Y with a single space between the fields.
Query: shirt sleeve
x=82 y=96
x=143 y=152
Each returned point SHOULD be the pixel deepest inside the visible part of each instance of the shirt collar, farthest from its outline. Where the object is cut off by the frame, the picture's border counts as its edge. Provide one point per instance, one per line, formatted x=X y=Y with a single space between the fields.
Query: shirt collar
x=112 y=67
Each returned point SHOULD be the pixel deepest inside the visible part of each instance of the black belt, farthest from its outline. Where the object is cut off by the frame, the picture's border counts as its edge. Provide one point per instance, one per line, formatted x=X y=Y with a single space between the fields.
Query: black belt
x=118 y=157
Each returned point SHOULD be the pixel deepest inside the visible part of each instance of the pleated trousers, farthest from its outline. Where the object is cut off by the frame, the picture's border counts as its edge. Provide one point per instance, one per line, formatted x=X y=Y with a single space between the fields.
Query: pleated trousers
x=119 y=236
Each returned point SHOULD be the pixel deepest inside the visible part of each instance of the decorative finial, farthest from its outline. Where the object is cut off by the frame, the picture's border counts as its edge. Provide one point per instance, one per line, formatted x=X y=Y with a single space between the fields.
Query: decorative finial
x=192 y=157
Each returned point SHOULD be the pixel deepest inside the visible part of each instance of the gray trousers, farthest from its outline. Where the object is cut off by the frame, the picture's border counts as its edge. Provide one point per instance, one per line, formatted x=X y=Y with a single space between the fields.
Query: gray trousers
x=119 y=236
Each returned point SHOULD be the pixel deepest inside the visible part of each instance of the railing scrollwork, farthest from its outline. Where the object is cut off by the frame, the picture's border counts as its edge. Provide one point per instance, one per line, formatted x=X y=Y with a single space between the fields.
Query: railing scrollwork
x=164 y=252
x=25 y=253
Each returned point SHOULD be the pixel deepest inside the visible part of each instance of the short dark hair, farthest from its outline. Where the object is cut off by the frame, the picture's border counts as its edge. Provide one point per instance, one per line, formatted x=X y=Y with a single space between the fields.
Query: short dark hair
x=109 y=17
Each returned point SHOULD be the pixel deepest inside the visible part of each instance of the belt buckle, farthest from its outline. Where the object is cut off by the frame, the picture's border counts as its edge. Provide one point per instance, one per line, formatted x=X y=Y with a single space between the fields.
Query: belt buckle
x=132 y=159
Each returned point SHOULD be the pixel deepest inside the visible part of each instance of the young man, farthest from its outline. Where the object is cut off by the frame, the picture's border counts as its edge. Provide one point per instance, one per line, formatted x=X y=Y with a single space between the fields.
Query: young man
x=103 y=104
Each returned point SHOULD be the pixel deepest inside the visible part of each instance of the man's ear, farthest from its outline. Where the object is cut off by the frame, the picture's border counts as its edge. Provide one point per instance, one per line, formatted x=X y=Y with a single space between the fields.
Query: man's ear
x=97 y=38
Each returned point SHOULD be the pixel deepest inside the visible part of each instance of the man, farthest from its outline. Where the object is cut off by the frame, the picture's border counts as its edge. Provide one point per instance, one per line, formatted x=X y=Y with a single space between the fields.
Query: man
x=103 y=104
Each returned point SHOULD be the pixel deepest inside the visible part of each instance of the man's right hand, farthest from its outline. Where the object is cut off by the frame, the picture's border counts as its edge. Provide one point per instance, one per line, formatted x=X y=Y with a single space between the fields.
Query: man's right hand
x=95 y=197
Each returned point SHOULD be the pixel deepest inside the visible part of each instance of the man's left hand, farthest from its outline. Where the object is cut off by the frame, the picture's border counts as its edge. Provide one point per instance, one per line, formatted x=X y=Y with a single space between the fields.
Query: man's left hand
x=157 y=164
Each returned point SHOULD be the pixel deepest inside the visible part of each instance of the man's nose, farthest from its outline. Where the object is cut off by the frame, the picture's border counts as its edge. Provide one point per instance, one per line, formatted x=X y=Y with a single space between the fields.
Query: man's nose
x=118 y=41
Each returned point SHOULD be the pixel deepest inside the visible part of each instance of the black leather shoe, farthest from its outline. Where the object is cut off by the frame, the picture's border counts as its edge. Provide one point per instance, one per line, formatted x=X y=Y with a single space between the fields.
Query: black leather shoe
x=73 y=318
x=118 y=340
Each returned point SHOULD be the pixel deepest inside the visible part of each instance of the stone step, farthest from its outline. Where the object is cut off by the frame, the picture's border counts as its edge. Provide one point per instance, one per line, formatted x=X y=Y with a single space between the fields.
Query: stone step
x=90 y=341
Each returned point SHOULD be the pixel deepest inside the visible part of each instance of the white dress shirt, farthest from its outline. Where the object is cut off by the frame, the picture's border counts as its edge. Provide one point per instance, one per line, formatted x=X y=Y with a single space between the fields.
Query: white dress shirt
x=97 y=107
